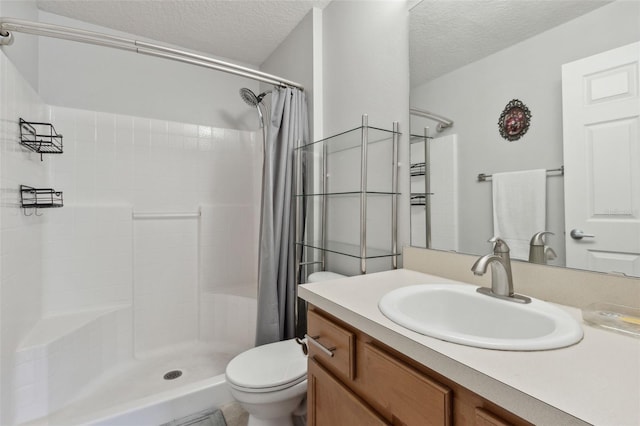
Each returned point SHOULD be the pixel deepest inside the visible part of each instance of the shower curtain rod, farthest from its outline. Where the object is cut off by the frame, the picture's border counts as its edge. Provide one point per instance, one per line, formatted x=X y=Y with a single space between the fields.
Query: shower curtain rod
x=443 y=122
x=10 y=25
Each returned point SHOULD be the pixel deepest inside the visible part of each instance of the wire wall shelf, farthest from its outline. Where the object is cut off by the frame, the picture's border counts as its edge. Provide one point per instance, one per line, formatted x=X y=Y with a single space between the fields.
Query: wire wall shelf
x=40 y=137
x=419 y=199
x=418 y=169
x=39 y=198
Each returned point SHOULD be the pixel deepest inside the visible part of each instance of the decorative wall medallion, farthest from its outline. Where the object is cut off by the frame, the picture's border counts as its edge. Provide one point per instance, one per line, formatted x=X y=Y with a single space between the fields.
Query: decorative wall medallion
x=514 y=120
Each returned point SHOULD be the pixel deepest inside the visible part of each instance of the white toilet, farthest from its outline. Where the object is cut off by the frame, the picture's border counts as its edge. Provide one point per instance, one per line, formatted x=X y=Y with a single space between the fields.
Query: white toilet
x=270 y=382
x=319 y=276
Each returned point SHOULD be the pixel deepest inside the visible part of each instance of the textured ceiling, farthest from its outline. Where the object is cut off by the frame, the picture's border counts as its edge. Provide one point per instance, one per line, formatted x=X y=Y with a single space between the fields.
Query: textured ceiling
x=447 y=34
x=243 y=30
x=444 y=34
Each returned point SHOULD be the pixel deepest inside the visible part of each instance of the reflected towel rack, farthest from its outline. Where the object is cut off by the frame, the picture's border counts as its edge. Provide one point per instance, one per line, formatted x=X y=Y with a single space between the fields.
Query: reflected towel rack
x=483 y=177
x=167 y=215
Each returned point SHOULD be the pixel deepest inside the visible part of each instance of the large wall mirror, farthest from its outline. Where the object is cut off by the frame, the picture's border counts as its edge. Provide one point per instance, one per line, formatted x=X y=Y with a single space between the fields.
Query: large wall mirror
x=471 y=59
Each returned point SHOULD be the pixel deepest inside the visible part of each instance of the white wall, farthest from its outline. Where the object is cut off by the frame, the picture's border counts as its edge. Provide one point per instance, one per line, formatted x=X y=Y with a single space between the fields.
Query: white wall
x=96 y=256
x=96 y=78
x=365 y=67
x=475 y=95
x=366 y=70
x=24 y=50
x=21 y=237
x=294 y=60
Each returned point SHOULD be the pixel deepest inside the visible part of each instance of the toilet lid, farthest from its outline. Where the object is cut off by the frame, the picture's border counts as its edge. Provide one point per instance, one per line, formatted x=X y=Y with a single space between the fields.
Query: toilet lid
x=268 y=366
x=317 y=277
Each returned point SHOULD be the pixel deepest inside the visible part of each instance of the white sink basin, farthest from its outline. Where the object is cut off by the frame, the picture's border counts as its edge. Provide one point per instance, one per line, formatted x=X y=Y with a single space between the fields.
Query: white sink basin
x=457 y=313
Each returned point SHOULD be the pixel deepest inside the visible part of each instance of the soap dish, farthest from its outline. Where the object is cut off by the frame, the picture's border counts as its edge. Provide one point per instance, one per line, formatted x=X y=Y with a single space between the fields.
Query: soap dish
x=617 y=318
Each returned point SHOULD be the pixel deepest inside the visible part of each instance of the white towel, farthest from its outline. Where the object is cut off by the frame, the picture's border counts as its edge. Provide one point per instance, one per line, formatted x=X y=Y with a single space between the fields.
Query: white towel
x=519 y=208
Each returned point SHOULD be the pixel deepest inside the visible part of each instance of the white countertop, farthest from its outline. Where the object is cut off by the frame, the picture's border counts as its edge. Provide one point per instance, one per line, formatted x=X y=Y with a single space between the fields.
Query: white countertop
x=596 y=381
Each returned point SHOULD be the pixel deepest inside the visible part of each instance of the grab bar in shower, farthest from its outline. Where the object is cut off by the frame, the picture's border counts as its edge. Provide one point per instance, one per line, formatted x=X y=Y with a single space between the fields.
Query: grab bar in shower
x=166 y=215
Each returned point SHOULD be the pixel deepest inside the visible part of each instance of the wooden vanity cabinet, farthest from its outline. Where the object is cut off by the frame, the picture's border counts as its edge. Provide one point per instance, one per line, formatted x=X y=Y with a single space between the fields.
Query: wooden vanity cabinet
x=355 y=380
x=334 y=403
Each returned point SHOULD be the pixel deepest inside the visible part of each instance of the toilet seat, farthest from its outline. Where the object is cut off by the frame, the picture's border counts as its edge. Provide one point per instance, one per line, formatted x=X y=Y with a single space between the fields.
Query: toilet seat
x=268 y=368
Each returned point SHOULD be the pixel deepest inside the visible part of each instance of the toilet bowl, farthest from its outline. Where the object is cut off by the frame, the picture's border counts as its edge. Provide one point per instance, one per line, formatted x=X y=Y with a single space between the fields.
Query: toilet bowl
x=269 y=381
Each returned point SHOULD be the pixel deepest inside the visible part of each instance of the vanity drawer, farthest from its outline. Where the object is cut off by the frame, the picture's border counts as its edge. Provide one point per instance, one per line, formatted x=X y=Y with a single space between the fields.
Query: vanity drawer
x=331 y=345
x=410 y=397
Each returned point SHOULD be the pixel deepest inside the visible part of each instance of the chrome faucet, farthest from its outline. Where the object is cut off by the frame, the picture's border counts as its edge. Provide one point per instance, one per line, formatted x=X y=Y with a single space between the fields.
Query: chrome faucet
x=501 y=277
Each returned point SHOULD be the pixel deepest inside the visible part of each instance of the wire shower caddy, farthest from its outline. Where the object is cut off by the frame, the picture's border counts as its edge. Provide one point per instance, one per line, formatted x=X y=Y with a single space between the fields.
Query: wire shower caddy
x=40 y=137
x=39 y=198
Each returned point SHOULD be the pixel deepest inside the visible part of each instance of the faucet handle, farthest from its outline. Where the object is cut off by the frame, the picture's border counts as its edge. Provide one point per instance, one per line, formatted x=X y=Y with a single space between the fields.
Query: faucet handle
x=499 y=245
x=538 y=238
x=550 y=253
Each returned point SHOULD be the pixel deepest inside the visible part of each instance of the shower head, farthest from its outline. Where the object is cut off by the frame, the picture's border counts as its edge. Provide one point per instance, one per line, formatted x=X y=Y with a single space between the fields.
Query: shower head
x=254 y=100
x=248 y=97
x=251 y=98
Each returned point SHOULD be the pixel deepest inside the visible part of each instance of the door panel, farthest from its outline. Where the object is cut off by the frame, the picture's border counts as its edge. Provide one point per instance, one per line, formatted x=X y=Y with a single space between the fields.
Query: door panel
x=330 y=403
x=601 y=110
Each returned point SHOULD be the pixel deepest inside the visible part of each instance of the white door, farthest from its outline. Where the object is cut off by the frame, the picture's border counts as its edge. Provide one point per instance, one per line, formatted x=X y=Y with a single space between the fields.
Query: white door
x=601 y=111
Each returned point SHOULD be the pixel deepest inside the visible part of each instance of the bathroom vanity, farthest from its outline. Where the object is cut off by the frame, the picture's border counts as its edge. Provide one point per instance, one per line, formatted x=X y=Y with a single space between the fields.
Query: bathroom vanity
x=366 y=370
x=361 y=381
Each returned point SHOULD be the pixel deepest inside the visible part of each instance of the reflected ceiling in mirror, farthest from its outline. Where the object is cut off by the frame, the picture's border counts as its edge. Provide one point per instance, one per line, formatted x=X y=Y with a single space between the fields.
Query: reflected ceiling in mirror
x=445 y=35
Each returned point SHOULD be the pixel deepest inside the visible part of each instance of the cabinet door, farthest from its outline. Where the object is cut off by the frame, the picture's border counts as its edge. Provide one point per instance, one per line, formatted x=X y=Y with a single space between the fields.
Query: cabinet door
x=409 y=396
x=330 y=403
x=485 y=418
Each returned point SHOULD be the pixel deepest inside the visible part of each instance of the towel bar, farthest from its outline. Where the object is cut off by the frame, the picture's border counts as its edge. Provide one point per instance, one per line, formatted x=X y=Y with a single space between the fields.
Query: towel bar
x=483 y=177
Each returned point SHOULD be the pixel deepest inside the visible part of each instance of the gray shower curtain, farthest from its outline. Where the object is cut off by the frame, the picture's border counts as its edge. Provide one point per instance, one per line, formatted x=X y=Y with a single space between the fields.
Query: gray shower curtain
x=287 y=126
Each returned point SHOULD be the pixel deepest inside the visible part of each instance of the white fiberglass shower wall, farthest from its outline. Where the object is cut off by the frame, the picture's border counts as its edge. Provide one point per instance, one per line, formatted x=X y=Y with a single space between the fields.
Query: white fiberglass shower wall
x=158 y=213
x=155 y=249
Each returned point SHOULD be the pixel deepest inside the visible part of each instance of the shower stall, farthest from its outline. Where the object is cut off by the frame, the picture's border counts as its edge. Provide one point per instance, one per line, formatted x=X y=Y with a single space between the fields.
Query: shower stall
x=124 y=305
